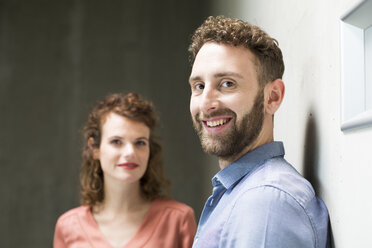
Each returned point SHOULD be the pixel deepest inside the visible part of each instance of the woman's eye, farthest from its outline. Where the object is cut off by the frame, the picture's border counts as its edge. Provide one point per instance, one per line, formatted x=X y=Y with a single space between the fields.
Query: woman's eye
x=115 y=142
x=227 y=84
x=141 y=143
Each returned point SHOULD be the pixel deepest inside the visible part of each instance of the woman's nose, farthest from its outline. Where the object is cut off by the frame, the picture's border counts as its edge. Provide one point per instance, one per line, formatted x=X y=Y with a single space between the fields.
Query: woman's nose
x=129 y=151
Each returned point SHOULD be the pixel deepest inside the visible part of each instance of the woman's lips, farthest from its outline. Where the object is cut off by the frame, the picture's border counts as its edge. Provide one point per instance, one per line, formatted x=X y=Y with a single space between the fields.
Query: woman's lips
x=128 y=166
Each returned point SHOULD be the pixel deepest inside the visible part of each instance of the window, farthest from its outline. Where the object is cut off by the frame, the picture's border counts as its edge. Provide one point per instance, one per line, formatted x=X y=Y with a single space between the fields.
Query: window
x=356 y=66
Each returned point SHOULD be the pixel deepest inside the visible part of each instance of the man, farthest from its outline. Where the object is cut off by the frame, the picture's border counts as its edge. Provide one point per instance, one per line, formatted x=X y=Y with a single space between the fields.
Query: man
x=258 y=199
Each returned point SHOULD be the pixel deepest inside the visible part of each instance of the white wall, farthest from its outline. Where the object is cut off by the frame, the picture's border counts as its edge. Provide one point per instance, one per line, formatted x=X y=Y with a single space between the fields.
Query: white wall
x=339 y=164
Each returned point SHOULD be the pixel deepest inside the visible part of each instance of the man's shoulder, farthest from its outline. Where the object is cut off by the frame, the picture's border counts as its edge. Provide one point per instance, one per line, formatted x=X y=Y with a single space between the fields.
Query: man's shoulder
x=276 y=194
x=281 y=177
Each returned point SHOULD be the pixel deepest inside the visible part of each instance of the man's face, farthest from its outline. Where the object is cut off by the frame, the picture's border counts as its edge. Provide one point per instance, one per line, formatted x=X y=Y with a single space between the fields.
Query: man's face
x=226 y=101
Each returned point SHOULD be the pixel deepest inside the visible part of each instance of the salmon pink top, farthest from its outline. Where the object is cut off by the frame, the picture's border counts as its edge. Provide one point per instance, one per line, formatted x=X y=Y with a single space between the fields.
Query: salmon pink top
x=167 y=224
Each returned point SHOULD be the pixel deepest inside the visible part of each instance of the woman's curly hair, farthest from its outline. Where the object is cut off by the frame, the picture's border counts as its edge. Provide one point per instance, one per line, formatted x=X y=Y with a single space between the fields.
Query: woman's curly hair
x=235 y=32
x=132 y=106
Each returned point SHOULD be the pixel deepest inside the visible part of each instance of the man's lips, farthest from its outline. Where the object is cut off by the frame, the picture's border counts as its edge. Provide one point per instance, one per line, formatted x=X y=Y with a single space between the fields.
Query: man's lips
x=217 y=123
x=128 y=166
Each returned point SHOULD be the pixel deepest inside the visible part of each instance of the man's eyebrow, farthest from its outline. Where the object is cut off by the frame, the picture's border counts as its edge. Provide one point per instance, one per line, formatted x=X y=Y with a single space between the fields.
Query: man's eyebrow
x=218 y=75
x=228 y=74
x=195 y=78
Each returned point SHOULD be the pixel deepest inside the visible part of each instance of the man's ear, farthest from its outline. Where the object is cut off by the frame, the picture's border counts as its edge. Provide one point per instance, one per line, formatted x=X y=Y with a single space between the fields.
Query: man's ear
x=95 y=150
x=274 y=94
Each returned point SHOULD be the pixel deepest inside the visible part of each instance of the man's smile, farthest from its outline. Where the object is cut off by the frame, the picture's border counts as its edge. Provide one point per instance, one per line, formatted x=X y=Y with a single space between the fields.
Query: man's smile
x=217 y=122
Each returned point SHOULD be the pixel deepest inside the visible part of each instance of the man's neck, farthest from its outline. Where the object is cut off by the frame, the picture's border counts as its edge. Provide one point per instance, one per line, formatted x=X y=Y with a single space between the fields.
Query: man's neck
x=261 y=140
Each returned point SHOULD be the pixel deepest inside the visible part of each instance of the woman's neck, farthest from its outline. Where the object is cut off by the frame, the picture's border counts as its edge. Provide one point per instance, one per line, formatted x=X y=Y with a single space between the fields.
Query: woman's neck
x=120 y=198
x=120 y=215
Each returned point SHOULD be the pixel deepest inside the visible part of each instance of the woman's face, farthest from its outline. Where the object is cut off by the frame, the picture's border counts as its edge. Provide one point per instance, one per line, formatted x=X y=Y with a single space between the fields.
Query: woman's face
x=124 y=150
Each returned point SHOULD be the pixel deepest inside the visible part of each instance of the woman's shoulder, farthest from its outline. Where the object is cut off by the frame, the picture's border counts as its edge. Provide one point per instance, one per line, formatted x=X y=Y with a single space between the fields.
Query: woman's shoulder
x=170 y=204
x=73 y=214
x=74 y=228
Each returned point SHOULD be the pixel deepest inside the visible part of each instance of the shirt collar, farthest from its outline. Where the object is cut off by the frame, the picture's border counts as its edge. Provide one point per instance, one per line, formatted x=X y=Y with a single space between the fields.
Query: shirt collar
x=246 y=163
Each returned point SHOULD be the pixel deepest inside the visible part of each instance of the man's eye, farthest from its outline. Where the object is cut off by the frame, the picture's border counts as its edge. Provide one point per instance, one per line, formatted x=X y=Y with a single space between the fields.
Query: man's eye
x=199 y=86
x=227 y=84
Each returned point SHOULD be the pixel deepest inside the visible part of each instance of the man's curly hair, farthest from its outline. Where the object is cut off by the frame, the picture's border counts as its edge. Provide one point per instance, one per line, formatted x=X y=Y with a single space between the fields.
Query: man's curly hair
x=133 y=107
x=235 y=32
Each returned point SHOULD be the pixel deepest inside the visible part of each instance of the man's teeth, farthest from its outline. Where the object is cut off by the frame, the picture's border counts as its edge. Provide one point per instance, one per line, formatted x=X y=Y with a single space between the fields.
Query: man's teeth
x=216 y=123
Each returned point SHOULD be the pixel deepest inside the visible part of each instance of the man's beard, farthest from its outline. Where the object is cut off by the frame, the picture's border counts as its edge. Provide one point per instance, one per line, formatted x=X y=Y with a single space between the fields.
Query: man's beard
x=239 y=136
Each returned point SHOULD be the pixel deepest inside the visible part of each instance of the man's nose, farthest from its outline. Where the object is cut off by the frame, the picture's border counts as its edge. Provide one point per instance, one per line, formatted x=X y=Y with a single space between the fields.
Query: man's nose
x=210 y=100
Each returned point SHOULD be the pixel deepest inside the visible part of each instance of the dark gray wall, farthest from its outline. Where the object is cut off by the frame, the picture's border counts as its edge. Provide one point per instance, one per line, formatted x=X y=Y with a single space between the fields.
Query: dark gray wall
x=56 y=59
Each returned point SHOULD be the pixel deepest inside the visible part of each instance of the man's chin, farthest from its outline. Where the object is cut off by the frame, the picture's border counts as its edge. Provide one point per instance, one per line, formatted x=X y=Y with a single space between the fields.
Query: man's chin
x=218 y=152
x=214 y=147
x=222 y=146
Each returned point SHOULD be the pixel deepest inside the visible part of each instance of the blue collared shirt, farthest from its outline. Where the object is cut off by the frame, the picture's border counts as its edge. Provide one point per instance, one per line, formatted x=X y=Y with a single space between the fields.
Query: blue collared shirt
x=262 y=201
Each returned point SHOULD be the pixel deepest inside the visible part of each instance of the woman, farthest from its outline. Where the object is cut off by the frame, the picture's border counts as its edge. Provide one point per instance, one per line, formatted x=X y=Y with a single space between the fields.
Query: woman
x=122 y=184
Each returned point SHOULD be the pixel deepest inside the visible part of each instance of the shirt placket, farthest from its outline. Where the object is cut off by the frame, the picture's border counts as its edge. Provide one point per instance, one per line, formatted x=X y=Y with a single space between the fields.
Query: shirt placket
x=218 y=191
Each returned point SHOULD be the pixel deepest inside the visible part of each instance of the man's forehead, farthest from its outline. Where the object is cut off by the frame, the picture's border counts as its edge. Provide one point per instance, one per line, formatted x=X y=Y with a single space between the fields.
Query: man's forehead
x=222 y=61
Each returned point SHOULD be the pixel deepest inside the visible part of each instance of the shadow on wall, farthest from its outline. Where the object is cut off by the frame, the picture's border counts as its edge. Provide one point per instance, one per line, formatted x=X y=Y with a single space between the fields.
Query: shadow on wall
x=311 y=153
x=311 y=159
